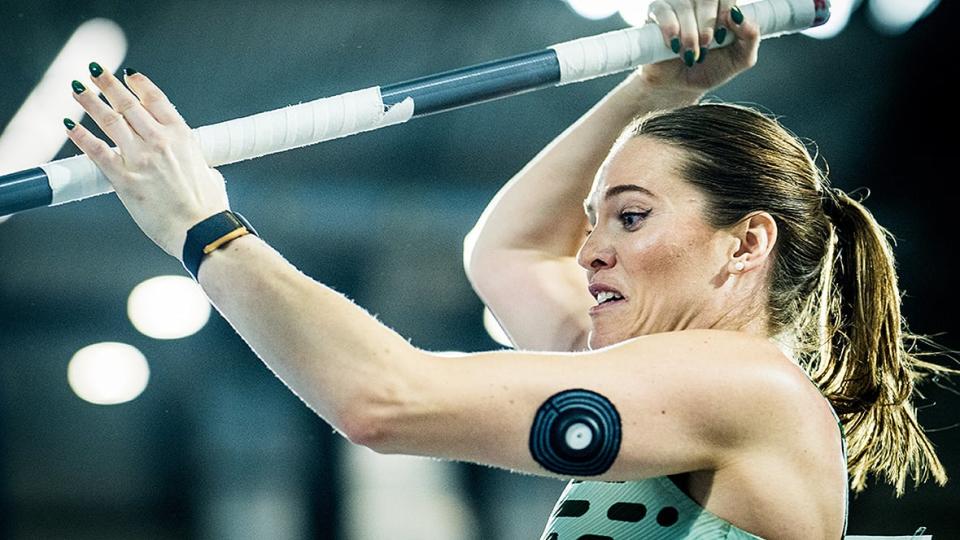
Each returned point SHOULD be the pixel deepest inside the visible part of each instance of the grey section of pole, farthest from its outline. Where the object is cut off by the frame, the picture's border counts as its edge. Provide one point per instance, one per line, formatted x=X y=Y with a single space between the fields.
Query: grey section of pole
x=477 y=84
x=24 y=190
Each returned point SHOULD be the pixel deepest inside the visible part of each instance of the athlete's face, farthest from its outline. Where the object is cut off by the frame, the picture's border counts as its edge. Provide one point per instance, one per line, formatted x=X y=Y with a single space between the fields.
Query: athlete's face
x=650 y=245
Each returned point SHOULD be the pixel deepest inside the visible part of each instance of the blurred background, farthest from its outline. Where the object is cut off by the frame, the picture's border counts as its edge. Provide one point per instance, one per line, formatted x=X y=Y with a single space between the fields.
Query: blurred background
x=128 y=410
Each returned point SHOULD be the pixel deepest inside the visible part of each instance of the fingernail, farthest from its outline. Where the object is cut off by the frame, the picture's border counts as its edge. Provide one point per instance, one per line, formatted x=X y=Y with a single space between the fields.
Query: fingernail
x=721 y=34
x=95 y=70
x=703 y=54
x=78 y=87
x=688 y=58
x=736 y=14
x=129 y=71
x=69 y=123
x=675 y=45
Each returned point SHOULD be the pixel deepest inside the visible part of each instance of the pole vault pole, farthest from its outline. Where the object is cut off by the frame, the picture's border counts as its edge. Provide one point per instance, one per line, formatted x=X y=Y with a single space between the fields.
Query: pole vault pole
x=77 y=178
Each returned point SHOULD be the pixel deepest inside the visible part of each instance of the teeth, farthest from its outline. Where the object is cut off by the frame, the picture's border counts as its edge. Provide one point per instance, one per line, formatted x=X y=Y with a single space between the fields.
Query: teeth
x=604 y=296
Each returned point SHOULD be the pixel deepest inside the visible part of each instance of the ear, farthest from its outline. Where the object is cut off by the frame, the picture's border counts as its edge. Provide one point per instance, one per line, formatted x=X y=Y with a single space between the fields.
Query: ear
x=756 y=235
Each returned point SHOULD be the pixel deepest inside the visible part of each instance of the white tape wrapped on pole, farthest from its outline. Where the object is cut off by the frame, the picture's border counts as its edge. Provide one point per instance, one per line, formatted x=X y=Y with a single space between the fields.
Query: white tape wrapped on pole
x=620 y=50
x=250 y=137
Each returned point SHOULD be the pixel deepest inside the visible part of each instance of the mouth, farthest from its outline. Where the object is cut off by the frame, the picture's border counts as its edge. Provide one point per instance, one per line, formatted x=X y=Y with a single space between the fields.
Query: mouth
x=607 y=297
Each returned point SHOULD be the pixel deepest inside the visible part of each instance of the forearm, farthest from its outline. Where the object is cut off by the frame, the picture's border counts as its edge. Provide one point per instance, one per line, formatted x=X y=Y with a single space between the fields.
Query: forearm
x=541 y=207
x=336 y=357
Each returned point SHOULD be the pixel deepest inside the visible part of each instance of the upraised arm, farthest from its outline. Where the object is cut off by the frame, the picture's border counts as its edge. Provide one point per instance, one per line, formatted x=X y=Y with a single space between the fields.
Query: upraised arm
x=520 y=256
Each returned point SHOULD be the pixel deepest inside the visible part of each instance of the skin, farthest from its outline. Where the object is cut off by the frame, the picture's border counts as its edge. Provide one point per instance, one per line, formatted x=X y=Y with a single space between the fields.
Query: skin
x=643 y=244
x=693 y=403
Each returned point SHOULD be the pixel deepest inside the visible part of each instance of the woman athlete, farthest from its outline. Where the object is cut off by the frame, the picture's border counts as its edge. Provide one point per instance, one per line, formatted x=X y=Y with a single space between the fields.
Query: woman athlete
x=673 y=363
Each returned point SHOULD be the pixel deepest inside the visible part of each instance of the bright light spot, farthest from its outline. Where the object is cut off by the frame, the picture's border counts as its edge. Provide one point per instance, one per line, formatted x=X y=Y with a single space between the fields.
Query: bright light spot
x=635 y=13
x=594 y=9
x=494 y=329
x=168 y=307
x=108 y=373
x=894 y=17
x=840 y=11
x=35 y=133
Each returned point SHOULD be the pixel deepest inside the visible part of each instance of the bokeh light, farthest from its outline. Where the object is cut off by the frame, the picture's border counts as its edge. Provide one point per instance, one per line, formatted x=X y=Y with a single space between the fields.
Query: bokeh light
x=168 y=307
x=108 y=373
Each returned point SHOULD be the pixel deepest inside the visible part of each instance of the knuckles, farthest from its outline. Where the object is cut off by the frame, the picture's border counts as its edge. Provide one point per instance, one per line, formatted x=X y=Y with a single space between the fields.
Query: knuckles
x=159 y=142
x=109 y=119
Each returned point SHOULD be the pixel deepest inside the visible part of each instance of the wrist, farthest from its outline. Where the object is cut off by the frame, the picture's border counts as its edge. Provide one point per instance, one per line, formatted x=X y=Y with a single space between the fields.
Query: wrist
x=211 y=234
x=657 y=97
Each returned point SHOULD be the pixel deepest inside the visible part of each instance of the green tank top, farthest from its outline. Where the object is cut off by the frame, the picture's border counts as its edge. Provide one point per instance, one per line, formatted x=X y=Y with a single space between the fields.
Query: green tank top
x=653 y=508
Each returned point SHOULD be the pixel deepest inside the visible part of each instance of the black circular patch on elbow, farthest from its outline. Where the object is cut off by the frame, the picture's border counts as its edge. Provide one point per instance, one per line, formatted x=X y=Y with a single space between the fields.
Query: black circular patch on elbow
x=576 y=432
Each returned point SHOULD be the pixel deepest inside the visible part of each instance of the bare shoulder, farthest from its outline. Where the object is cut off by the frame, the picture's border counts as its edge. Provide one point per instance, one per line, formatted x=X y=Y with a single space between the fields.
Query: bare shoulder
x=782 y=471
x=745 y=383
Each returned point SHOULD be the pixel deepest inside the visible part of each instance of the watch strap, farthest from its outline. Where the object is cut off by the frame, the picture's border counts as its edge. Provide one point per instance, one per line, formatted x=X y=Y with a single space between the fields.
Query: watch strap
x=210 y=235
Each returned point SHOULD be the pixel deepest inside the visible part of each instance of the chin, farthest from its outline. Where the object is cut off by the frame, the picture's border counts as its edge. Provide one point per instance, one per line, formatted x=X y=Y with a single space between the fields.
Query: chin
x=599 y=340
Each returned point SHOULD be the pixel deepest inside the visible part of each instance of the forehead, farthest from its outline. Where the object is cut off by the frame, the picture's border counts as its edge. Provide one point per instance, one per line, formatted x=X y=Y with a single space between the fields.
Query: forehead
x=643 y=162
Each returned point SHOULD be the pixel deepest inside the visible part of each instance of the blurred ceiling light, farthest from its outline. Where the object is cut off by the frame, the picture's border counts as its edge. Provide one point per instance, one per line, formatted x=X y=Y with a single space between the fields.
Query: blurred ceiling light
x=634 y=13
x=35 y=133
x=108 y=373
x=168 y=307
x=493 y=328
x=840 y=12
x=894 y=17
x=594 y=9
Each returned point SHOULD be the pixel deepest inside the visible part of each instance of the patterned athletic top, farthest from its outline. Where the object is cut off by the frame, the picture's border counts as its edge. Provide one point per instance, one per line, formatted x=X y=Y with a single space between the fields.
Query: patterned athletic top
x=653 y=508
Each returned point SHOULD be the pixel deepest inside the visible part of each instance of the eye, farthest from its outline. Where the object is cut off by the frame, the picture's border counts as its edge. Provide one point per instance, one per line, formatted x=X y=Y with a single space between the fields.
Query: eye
x=632 y=220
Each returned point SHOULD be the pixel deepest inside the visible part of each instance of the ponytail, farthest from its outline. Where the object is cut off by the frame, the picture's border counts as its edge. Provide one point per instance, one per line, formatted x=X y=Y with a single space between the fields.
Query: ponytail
x=865 y=368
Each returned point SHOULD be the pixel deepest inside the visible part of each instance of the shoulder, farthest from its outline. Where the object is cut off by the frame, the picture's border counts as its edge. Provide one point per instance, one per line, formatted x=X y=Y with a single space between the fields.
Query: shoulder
x=725 y=357
x=743 y=386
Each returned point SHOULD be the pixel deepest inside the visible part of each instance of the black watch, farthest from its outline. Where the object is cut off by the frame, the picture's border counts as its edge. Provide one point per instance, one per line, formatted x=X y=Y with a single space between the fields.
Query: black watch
x=212 y=234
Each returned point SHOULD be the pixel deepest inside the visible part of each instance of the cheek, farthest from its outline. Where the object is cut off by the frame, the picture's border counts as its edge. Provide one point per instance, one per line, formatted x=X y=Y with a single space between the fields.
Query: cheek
x=668 y=259
x=655 y=256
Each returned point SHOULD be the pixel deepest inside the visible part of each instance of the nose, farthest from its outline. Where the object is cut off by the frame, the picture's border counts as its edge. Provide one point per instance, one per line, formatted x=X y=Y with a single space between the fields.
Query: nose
x=594 y=255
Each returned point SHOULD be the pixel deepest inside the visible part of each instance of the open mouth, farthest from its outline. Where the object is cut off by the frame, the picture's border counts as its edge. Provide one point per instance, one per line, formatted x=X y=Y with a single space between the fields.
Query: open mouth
x=605 y=297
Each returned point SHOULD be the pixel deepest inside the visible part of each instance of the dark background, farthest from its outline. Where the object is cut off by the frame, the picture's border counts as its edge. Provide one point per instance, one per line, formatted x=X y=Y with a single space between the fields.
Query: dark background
x=381 y=217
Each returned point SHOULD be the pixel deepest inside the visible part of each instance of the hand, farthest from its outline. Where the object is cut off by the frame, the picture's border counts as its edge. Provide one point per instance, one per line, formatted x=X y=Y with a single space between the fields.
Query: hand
x=693 y=24
x=157 y=168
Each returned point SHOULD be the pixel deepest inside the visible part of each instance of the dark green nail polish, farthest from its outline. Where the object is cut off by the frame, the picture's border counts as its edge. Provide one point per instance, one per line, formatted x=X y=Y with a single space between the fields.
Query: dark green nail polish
x=721 y=34
x=736 y=14
x=129 y=71
x=78 y=87
x=675 y=45
x=95 y=69
x=688 y=58
x=69 y=123
x=703 y=54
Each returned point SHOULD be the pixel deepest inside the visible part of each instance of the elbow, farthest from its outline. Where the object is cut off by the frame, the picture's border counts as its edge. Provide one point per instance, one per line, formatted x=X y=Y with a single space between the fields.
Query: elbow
x=481 y=256
x=381 y=416
x=364 y=429
x=470 y=252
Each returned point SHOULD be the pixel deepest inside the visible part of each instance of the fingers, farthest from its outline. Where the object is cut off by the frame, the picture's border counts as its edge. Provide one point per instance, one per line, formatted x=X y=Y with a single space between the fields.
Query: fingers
x=153 y=99
x=706 y=20
x=689 y=35
x=685 y=28
x=662 y=13
x=111 y=122
x=105 y=158
x=723 y=16
x=125 y=103
x=747 y=33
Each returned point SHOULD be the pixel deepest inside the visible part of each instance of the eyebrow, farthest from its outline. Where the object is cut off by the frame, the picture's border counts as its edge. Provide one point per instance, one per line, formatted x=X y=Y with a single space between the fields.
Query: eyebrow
x=617 y=190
